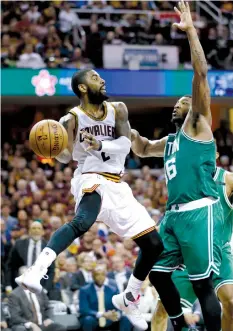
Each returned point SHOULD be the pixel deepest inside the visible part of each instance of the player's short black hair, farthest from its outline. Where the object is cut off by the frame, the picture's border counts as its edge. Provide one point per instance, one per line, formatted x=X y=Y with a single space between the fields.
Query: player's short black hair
x=78 y=78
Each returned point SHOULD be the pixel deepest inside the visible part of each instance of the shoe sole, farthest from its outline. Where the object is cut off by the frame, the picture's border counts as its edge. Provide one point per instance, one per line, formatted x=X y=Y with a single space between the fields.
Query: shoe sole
x=119 y=308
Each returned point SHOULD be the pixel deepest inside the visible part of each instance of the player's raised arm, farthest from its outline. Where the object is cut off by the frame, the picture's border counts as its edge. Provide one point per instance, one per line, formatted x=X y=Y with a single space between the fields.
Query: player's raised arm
x=144 y=147
x=69 y=123
x=200 y=89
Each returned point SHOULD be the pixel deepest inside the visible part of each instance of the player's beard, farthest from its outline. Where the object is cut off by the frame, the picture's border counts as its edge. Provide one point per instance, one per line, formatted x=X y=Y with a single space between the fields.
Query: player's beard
x=178 y=121
x=96 y=98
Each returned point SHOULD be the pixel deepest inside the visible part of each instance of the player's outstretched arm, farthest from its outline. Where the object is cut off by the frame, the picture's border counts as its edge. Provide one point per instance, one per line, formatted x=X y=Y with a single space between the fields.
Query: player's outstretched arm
x=69 y=123
x=200 y=88
x=144 y=147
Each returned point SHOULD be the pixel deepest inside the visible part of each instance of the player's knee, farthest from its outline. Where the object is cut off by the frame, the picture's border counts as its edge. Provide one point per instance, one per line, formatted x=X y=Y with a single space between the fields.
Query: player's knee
x=156 y=278
x=228 y=307
x=153 y=242
x=86 y=214
x=202 y=286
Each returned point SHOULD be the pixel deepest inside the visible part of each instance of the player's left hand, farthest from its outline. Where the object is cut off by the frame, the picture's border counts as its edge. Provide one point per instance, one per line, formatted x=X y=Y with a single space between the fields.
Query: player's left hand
x=93 y=143
x=186 y=21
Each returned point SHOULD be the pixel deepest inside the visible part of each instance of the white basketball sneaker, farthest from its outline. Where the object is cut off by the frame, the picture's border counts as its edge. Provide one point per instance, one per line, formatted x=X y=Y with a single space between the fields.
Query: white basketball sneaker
x=30 y=279
x=130 y=308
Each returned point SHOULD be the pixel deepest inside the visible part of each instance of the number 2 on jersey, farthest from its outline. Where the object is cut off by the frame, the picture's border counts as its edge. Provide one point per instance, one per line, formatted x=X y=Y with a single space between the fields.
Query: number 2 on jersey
x=170 y=168
x=105 y=157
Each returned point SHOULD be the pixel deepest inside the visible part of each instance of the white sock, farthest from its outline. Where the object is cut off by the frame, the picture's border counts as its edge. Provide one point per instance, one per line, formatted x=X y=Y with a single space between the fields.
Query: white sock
x=134 y=286
x=46 y=257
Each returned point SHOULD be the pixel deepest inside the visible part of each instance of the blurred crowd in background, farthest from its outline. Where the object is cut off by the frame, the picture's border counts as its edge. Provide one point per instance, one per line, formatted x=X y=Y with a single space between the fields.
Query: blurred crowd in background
x=58 y=34
x=36 y=201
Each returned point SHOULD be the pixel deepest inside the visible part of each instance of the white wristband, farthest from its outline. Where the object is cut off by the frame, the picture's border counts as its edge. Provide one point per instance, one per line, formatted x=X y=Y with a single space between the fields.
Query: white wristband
x=120 y=145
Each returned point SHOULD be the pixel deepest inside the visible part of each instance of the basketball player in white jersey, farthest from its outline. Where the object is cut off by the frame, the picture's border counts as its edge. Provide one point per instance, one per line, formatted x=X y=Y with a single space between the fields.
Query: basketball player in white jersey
x=99 y=139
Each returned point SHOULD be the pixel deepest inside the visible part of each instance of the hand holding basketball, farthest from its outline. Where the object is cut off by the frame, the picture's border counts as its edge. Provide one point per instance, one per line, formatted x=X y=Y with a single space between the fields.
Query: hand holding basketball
x=48 y=138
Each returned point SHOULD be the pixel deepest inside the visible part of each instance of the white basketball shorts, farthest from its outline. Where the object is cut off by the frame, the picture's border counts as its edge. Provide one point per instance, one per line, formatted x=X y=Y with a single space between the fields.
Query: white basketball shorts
x=119 y=209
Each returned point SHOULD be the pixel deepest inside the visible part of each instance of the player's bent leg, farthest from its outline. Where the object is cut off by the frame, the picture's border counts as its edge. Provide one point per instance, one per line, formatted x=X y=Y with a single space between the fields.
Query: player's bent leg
x=128 y=301
x=210 y=305
x=86 y=215
x=169 y=296
x=225 y=294
x=159 y=318
x=150 y=242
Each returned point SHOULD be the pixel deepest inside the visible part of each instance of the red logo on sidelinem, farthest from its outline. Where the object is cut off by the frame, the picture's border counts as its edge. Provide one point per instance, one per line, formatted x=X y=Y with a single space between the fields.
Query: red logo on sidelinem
x=44 y=83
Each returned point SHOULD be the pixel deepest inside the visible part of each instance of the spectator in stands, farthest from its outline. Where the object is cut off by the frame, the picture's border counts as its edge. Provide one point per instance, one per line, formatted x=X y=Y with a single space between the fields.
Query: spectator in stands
x=94 y=48
x=77 y=60
x=9 y=220
x=159 y=40
x=71 y=279
x=5 y=249
x=224 y=139
x=67 y=20
x=113 y=39
x=113 y=243
x=33 y=13
x=30 y=311
x=84 y=275
x=55 y=223
x=228 y=62
x=3 y=322
x=119 y=273
x=5 y=44
x=98 y=249
x=30 y=59
x=148 y=302
x=9 y=61
x=86 y=242
x=96 y=308
x=25 y=252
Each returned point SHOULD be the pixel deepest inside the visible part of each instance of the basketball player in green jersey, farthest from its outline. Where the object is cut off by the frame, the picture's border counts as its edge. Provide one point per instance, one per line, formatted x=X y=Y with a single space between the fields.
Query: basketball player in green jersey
x=193 y=224
x=223 y=283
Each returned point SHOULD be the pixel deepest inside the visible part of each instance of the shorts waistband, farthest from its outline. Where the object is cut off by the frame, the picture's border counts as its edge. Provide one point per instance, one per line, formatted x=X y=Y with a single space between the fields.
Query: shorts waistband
x=208 y=201
x=113 y=177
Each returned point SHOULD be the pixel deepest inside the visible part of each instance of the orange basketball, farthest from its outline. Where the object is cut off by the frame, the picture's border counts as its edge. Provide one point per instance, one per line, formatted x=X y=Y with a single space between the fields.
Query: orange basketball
x=48 y=138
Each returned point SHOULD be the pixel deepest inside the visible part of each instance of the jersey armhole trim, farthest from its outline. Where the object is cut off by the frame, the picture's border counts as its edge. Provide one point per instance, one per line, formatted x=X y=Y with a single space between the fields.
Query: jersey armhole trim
x=216 y=174
x=196 y=140
x=225 y=193
x=76 y=121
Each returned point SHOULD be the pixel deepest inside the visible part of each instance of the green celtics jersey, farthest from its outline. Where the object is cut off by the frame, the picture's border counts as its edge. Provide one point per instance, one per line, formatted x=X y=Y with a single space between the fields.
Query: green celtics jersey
x=220 y=179
x=189 y=169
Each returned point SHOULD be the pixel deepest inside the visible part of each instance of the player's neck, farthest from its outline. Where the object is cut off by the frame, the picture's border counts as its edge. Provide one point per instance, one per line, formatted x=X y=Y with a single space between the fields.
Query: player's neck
x=91 y=108
x=178 y=127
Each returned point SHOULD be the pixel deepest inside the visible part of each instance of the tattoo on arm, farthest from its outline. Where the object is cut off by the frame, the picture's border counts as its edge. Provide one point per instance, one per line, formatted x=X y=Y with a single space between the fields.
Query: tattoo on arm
x=200 y=90
x=122 y=122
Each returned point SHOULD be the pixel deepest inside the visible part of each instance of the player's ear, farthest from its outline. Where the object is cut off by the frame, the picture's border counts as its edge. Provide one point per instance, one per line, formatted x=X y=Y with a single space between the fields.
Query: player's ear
x=82 y=88
x=217 y=155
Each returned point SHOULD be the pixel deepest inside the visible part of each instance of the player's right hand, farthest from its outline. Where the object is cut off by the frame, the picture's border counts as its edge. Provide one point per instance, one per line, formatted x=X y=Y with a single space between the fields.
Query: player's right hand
x=91 y=141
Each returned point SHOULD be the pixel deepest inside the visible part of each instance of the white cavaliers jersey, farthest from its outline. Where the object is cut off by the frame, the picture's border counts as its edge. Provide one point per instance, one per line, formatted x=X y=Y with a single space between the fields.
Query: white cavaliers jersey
x=102 y=129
